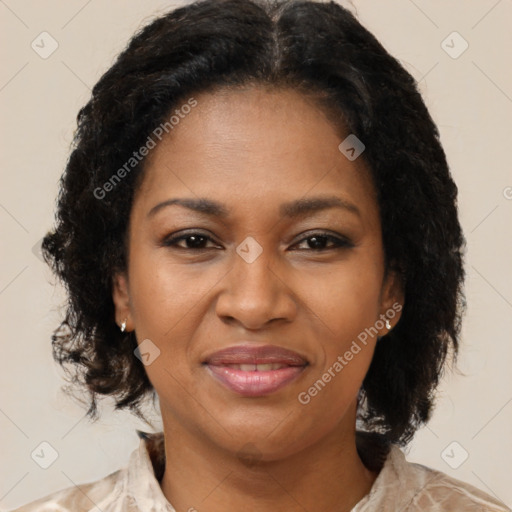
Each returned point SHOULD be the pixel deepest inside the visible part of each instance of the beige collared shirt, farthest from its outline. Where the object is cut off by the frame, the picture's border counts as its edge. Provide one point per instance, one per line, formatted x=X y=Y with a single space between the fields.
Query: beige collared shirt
x=401 y=486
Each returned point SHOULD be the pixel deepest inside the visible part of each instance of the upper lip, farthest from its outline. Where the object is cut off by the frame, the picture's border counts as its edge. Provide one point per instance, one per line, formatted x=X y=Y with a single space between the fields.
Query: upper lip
x=250 y=354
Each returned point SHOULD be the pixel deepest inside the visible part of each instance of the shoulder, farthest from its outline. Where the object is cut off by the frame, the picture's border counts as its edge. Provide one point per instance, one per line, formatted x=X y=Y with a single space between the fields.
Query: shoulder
x=424 y=488
x=128 y=489
x=85 y=497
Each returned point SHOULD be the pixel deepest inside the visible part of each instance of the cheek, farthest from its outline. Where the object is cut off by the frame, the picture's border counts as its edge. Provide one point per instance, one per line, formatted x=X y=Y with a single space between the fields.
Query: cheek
x=347 y=304
x=168 y=304
x=166 y=295
x=344 y=299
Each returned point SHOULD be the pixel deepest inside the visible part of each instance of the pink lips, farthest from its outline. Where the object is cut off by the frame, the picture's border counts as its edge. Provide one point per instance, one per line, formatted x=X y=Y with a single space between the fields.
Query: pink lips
x=255 y=371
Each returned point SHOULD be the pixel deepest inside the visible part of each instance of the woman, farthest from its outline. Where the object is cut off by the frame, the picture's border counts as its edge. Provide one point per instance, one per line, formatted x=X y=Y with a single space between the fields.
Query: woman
x=258 y=227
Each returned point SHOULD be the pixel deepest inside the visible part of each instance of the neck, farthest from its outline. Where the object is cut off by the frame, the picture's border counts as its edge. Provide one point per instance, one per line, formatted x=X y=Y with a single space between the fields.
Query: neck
x=328 y=475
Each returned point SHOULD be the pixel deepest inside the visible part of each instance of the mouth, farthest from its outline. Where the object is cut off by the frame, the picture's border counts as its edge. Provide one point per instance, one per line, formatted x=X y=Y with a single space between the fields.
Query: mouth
x=260 y=367
x=255 y=371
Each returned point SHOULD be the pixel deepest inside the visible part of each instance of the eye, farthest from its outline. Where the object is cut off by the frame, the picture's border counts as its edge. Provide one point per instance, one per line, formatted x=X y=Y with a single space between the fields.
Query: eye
x=190 y=241
x=197 y=241
x=323 y=242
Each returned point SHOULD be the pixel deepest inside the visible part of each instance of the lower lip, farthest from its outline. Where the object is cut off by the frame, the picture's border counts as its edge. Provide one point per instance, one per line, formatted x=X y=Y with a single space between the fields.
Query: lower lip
x=254 y=383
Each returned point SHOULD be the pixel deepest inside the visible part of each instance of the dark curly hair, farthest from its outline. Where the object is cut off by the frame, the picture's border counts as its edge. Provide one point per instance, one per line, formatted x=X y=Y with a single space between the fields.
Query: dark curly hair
x=320 y=50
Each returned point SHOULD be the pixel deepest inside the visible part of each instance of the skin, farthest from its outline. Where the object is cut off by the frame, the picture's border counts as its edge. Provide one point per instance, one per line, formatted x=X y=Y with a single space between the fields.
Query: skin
x=252 y=150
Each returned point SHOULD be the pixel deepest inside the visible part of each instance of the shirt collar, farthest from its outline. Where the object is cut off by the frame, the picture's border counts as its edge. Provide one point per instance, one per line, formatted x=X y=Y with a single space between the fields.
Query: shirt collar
x=390 y=490
x=146 y=463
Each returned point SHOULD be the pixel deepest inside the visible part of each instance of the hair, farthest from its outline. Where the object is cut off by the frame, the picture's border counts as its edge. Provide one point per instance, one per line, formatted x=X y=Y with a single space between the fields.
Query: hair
x=320 y=50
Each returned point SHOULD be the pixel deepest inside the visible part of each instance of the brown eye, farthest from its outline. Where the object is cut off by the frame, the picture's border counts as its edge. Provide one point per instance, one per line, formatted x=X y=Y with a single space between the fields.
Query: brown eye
x=190 y=241
x=195 y=241
x=323 y=242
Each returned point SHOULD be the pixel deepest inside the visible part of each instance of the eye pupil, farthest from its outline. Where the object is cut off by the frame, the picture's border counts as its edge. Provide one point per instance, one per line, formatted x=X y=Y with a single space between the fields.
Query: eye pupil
x=195 y=241
x=317 y=242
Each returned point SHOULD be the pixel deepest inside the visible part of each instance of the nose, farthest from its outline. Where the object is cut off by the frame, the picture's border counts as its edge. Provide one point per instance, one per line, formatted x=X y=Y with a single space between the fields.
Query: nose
x=255 y=294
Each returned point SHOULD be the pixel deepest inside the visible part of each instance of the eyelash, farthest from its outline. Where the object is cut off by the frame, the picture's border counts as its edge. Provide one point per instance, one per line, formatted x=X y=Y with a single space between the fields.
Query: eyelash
x=337 y=241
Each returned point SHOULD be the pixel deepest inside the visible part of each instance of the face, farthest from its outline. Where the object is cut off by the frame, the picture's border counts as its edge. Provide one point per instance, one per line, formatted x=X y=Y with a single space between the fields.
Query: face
x=252 y=232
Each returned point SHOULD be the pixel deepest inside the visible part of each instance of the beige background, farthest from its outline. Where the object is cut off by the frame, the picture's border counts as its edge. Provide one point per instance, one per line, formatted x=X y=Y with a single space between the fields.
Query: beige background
x=470 y=98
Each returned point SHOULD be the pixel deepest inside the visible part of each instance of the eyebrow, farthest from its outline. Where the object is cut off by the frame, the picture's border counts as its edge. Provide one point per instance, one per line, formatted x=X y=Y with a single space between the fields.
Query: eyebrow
x=201 y=205
x=297 y=208
x=313 y=204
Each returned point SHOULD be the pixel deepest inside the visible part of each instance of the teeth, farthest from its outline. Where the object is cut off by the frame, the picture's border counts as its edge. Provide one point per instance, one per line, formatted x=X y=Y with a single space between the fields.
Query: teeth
x=267 y=367
x=257 y=367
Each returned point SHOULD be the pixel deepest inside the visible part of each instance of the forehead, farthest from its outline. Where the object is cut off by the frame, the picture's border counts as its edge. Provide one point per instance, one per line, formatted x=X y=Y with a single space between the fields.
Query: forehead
x=256 y=145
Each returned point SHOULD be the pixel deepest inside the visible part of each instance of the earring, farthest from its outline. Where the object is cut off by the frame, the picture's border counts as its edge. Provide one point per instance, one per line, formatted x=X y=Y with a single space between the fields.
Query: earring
x=388 y=325
x=123 y=326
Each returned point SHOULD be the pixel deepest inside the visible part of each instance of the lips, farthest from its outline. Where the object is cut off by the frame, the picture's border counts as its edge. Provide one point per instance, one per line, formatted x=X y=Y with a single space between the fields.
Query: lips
x=261 y=367
x=247 y=354
x=255 y=371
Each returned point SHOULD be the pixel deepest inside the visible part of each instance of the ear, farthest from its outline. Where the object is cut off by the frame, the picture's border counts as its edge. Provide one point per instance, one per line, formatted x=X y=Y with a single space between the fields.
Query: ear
x=391 y=301
x=121 y=299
